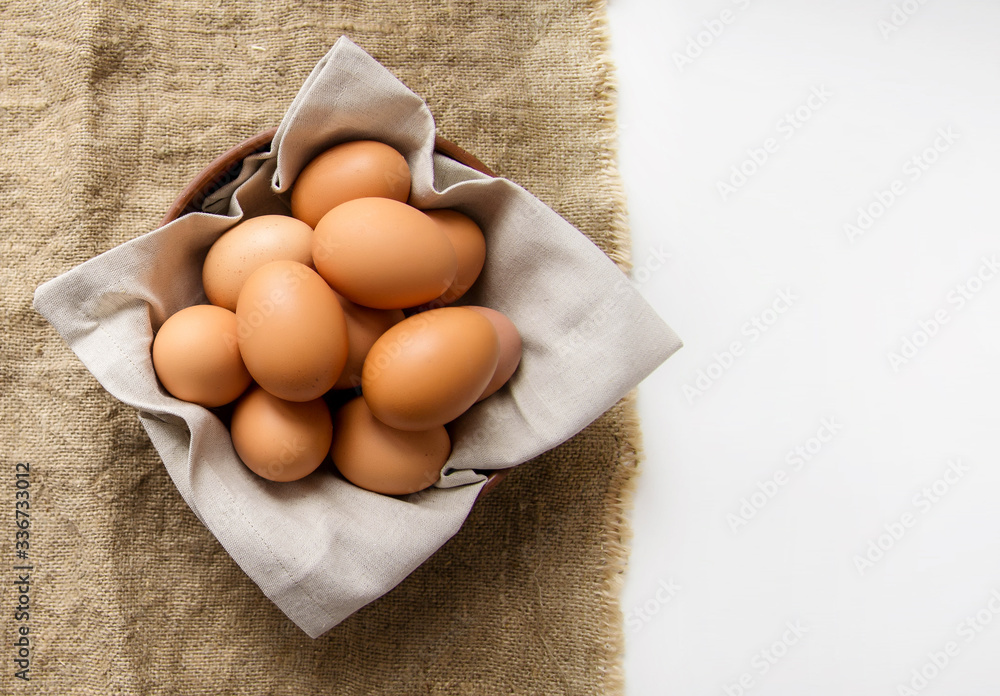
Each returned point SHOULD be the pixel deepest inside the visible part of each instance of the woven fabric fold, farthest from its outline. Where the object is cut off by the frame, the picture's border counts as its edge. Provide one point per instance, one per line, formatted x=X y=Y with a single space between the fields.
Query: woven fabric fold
x=141 y=507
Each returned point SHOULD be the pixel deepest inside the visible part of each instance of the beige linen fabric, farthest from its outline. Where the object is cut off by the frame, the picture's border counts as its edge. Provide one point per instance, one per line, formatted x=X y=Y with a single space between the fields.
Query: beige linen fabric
x=130 y=593
x=321 y=548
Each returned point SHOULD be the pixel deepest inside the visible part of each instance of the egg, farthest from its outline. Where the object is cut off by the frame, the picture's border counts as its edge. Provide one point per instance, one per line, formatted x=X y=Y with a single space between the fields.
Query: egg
x=374 y=456
x=364 y=326
x=291 y=331
x=430 y=368
x=281 y=440
x=510 y=348
x=356 y=169
x=383 y=254
x=470 y=250
x=246 y=247
x=196 y=356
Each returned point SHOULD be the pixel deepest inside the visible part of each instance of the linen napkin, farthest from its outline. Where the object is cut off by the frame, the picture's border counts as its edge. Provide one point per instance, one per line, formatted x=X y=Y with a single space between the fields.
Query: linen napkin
x=321 y=548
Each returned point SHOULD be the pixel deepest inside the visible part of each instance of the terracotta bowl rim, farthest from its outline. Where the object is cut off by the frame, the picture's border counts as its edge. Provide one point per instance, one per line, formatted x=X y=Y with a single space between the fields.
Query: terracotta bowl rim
x=220 y=171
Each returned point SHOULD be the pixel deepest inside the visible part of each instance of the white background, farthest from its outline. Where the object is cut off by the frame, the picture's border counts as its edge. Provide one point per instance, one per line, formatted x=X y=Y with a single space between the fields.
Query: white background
x=712 y=590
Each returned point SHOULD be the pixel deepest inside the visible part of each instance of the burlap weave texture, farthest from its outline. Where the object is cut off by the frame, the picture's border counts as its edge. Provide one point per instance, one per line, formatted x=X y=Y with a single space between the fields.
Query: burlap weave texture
x=131 y=594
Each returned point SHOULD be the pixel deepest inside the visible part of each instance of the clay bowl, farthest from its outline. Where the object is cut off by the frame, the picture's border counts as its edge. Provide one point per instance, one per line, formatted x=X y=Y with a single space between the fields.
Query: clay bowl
x=226 y=167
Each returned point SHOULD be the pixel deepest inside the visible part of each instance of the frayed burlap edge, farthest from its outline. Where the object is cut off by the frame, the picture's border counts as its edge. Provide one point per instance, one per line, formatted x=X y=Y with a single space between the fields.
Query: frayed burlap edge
x=616 y=541
x=606 y=89
x=617 y=534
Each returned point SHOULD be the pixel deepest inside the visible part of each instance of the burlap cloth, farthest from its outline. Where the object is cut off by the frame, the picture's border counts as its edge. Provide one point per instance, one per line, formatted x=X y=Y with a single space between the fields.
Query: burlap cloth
x=129 y=592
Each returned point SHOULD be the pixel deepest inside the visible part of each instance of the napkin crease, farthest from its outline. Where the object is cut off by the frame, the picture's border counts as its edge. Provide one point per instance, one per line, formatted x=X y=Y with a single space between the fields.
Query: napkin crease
x=321 y=548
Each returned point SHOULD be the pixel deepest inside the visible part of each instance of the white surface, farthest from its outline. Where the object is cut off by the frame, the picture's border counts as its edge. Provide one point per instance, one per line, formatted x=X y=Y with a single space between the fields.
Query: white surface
x=703 y=601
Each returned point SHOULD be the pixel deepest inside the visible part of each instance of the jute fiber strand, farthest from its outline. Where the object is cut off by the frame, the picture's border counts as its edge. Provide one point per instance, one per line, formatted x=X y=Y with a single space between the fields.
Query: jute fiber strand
x=107 y=111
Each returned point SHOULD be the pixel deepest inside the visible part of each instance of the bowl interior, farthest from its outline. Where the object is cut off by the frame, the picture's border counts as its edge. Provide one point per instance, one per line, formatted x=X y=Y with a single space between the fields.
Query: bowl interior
x=226 y=167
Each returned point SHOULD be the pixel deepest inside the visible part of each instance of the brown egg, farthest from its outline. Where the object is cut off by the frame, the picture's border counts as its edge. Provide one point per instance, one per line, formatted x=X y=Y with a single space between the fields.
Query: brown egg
x=510 y=348
x=281 y=440
x=246 y=247
x=384 y=254
x=378 y=458
x=196 y=358
x=470 y=249
x=357 y=169
x=291 y=330
x=429 y=368
x=364 y=326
